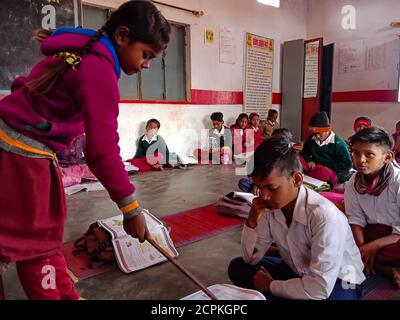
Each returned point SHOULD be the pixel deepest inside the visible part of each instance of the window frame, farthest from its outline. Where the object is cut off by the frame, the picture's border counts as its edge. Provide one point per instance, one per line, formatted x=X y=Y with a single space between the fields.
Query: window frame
x=186 y=63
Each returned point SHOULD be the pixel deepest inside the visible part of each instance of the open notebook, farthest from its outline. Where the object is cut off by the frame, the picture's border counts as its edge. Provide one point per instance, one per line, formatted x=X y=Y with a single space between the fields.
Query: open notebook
x=249 y=197
x=187 y=160
x=91 y=186
x=132 y=255
x=315 y=184
x=227 y=292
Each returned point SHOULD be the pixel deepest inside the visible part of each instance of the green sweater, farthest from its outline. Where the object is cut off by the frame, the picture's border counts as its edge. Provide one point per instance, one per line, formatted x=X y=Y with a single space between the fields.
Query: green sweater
x=158 y=145
x=335 y=156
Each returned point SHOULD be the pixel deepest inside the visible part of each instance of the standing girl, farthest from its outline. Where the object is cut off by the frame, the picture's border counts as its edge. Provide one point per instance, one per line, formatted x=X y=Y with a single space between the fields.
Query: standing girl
x=72 y=90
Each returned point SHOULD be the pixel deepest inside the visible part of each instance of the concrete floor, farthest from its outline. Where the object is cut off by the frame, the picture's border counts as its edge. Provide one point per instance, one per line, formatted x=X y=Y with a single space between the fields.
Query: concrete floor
x=163 y=193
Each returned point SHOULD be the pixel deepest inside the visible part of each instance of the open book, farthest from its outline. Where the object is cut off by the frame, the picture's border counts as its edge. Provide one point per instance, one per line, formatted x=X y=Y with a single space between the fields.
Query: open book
x=187 y=160
x=130 y=168
x=249 y=197
x=132 y=255
x=242 y=158
x=227 y=292
x=315 y=184
x=94 y=186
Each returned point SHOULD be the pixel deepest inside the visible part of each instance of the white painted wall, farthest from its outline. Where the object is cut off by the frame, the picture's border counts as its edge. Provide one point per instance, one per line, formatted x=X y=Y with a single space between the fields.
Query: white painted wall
x=207 y=73
x=372 y=26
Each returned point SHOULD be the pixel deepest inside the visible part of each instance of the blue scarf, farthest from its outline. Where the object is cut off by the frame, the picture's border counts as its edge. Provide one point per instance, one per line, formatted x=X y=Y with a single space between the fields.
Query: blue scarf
x=89 y=32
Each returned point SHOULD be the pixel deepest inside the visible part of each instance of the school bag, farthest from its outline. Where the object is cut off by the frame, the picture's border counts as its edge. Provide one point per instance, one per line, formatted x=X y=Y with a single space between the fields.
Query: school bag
x=236 y=204
x=97 y=243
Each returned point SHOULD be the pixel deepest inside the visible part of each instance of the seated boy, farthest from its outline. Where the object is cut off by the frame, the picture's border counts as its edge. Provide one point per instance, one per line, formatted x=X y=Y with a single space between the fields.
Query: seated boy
x=219 y=139
x=362 y=123
x=152 y=151
x=320 y=259
x=372 y=202
x=246 y=184
x=270 y=124
x=359 y=124
x=325 y=155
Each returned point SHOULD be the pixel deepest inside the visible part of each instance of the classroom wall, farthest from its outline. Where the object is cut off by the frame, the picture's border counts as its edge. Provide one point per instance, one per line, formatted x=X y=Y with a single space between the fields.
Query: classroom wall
x=371 y=91
x=206 y=72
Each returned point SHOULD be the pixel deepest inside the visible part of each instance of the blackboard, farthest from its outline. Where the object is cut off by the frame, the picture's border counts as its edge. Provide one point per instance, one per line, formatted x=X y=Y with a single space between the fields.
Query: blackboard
x=18 y=21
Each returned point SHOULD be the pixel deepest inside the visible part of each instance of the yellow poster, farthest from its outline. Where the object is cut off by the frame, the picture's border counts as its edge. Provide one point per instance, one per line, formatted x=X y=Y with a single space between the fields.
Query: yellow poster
x=259 y=58
x=209 y=36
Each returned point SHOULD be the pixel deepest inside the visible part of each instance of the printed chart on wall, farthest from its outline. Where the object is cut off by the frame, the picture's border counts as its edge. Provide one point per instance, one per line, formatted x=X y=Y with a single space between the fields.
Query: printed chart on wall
x=259 y=58
x=373 y=62
x=227 y=49
x=18 y=21
x=311 y=69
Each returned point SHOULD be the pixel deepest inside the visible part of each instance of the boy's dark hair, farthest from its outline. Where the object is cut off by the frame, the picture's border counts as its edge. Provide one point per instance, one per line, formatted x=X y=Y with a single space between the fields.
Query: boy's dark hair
x=275 y=153
x=282 y=132
x=252 y=115
x=217 y=116
x=145 y=23
x=373 y=135
x=271 y=112
x=153 y=121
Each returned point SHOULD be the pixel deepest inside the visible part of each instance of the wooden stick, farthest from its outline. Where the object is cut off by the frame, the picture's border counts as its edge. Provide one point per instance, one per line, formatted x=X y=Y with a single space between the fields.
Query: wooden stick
x=186 y=272
x=197 y=13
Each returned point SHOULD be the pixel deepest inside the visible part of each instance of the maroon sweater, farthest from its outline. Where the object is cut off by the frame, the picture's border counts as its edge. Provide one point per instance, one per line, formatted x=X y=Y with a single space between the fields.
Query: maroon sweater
x=86 y=100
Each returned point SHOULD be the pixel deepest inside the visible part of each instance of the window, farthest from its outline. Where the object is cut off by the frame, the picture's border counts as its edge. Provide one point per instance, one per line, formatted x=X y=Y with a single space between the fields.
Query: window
x=274 y=3
x=166 y=78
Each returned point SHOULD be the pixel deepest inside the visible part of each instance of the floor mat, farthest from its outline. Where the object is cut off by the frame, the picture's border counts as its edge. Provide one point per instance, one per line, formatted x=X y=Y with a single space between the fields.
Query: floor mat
x=380 y=288
x=187 y=227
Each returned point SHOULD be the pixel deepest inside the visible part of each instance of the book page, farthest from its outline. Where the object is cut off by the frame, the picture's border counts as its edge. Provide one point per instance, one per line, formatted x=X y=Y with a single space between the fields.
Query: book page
x=95 y=186
x=133 y=255
x=227 y=292
x=74 y=189
x=249 y=197
x=187 y=160
x=313 y=182
x=115 y=226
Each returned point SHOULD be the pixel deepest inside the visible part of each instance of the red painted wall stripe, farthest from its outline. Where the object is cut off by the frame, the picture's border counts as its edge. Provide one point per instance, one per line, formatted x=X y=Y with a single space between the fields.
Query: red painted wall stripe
x=210 y=97
x=236 y=97
x=216 y=97
x=365 y=96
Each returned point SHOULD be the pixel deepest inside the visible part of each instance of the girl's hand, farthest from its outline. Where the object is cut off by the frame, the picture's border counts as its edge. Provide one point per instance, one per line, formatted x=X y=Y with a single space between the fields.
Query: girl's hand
x=137 y=228
x=262 y=280
x=311 y=165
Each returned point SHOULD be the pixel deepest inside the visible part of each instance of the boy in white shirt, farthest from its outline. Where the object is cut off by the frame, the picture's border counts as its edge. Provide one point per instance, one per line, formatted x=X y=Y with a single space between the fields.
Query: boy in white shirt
x=372 y=202
x=320 y=259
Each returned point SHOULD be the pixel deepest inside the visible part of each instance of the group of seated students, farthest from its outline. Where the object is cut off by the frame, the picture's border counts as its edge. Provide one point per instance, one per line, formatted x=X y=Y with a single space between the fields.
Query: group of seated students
x=323 y=253
x=296 y=244
x=243 y=137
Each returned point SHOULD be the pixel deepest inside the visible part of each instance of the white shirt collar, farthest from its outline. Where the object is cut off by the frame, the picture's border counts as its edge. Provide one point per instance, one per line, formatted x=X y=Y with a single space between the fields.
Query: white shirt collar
x=153 y=138
x=330 y=139
x=220 y=133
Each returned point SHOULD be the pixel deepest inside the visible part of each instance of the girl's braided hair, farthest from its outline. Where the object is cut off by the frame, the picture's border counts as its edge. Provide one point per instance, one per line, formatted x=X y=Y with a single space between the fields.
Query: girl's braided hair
x=145 y=23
